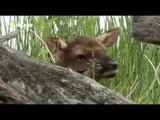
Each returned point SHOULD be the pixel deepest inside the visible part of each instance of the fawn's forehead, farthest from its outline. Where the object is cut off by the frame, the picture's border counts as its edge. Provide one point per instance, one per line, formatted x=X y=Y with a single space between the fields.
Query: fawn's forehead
x=82 y=43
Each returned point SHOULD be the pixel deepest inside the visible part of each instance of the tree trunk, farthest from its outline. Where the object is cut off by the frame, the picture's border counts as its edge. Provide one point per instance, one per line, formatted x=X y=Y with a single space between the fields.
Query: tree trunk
x=27 y=80
x=146 y=29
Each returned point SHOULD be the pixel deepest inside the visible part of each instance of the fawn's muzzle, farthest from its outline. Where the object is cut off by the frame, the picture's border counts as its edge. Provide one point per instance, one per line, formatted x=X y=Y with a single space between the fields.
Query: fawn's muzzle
x=109 y=67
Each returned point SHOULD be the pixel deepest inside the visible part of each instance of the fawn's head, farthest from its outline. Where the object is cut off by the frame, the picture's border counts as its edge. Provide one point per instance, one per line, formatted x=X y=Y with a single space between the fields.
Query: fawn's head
x=83 y=53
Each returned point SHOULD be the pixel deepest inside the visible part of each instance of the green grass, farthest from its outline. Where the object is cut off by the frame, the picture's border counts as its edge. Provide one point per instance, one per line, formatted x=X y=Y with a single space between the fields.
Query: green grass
x=139 y=63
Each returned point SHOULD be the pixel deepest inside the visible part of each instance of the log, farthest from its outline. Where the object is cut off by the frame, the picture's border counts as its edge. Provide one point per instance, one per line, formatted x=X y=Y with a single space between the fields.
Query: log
x=146 y=29
x=9 y=36
x=28 y=80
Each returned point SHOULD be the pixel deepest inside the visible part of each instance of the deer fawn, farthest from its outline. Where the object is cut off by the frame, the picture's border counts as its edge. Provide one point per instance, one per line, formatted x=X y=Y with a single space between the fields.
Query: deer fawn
x=84 y=53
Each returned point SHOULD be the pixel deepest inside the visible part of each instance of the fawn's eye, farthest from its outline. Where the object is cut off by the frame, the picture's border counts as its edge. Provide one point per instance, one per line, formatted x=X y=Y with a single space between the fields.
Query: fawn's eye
x=81 y=57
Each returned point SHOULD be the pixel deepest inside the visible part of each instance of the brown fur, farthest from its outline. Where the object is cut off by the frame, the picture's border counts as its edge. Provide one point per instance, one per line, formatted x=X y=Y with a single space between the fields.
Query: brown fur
x=78 y=53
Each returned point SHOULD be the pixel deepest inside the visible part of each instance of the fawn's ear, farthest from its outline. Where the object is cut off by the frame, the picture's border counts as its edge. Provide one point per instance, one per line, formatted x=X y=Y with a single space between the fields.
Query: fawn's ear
x=109 y=38
x=55 y=44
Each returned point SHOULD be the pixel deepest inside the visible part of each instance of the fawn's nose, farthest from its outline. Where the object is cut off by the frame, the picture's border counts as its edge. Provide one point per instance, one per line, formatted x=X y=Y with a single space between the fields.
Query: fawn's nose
x=110 y=65
x=114 y=65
